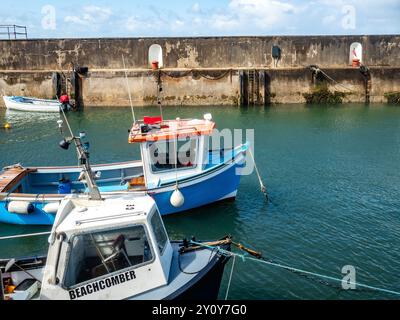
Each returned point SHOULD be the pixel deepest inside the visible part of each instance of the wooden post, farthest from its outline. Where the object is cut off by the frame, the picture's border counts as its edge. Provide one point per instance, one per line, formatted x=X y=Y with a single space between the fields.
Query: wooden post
x=267 y=89
x=244 y=95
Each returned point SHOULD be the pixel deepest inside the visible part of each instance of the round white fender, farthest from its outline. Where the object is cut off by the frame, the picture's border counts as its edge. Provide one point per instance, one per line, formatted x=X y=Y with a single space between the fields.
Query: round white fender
x=20 y=207
x=51 y=207
x=177 y=199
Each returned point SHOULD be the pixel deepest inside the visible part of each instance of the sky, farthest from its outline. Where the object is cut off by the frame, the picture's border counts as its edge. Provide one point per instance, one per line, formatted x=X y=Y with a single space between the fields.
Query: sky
x=179 y=18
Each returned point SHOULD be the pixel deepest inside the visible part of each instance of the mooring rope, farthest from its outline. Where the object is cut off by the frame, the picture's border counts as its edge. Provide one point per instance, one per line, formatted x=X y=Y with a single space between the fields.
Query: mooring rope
x=335 y=82
x=223 y=75
x=177 y=74
x=230 y=278
x=318 y=69
x=296 y=270
x=262 y=186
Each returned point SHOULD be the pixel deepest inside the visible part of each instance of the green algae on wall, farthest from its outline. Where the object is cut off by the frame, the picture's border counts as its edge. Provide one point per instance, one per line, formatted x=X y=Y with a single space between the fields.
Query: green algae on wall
x=392 y=97
x=322 y=95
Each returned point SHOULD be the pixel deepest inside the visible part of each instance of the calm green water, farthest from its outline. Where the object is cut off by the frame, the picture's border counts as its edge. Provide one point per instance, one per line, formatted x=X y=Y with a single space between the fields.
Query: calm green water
x=333 y=175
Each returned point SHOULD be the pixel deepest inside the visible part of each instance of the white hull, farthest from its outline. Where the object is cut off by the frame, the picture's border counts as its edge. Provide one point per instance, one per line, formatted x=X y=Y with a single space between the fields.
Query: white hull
x=34 y=105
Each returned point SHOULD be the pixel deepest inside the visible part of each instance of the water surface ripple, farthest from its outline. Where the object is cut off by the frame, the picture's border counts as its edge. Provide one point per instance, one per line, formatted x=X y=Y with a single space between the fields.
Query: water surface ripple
x=333 y=179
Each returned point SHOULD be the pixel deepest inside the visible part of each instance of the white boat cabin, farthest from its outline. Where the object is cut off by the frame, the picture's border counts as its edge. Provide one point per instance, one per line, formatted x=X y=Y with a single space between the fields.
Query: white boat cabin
x=109 y=249
x=173 y=149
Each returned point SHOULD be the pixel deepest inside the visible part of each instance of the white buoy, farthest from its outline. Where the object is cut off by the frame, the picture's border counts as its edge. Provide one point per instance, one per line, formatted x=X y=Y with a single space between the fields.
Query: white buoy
x=20 y=207
x=51 y=207
x=177 y=199
x=208 y=117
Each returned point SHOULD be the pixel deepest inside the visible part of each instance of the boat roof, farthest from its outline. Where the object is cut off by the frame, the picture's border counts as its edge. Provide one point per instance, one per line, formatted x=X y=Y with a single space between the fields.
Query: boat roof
x=92 y=214
x=170 y=130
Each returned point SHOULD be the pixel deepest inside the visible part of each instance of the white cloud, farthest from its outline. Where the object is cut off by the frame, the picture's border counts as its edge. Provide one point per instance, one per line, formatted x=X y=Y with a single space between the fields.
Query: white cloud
x=238 y=17
x=262 y=14
x=224 y=22
x=196 y=8
x=179 y=23
x=132 y=23
x=91 y=16
x=327 y=20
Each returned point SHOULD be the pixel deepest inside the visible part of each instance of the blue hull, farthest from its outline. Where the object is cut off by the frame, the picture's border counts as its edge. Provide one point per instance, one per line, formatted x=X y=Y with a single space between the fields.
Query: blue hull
x=198 y=191
x=38 y=217
x=222 y=185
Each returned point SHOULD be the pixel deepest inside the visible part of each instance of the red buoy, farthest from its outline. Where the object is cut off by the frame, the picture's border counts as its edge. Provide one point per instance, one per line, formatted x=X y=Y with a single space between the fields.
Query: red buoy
x=64 y=99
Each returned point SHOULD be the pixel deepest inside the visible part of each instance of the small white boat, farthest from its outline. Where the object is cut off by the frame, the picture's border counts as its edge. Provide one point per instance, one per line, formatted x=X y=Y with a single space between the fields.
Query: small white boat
x=31 y=104
x=115 y=249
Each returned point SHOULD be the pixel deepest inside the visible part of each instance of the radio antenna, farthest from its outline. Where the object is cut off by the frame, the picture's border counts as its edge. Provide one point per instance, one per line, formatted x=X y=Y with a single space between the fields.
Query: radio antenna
x=129 y=90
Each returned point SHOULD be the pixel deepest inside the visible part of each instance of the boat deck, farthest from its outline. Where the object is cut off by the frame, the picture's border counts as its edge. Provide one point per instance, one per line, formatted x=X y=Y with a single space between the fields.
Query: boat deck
x=9 y=178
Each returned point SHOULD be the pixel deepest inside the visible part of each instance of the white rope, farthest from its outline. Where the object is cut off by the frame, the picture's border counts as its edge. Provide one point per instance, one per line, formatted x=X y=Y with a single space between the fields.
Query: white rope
x=230 y=278
x=25 y=235
x=263 y=188
x=66 y=120
x=129 y=90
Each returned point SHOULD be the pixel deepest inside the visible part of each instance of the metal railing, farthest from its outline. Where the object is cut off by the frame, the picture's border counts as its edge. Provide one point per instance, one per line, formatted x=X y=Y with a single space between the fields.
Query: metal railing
x=13 y=31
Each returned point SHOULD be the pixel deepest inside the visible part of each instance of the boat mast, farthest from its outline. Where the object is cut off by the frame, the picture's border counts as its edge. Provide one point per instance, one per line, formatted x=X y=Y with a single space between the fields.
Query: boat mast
x=83 y=157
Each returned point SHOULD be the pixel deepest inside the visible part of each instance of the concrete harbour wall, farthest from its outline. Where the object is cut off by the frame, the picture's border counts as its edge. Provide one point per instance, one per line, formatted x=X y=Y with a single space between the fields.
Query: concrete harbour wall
x=204 y=71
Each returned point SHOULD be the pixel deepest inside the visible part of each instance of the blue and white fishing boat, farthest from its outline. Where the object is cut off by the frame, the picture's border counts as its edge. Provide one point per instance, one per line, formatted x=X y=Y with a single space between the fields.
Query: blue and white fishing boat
x=33 y=104
x=177 y=169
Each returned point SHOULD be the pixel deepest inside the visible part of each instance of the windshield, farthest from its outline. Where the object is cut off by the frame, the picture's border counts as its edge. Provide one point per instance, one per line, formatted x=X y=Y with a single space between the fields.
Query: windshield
x=93 y=255
x=159 y=231
x=166 y=155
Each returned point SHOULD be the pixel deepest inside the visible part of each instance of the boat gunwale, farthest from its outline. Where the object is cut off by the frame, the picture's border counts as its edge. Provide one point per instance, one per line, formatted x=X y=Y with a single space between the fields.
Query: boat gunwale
x=93 y=165
x=54 y=197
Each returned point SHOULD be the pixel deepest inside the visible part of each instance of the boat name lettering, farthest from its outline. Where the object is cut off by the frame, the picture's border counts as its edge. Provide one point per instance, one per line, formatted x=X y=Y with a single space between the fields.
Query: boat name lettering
x=101 y=284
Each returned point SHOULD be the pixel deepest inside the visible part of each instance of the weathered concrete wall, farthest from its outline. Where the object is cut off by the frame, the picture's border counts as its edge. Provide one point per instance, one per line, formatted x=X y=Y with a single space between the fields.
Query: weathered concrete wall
x=35 y=84
x=109 y=88
x=26 y=67
x=207 y=52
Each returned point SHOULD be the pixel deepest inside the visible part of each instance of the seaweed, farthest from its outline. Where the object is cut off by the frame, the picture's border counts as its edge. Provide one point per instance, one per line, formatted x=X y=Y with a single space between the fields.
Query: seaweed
x=392 y=97
x=322 y=95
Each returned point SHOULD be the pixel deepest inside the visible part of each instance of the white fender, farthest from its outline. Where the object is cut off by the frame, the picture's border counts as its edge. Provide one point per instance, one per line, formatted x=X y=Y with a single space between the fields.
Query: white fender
x=20 y=207
x=177 y=199
x=51 y=207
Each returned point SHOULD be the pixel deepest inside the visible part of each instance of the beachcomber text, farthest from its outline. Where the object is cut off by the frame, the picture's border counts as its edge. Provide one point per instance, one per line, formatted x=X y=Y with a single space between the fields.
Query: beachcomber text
x=101 y=284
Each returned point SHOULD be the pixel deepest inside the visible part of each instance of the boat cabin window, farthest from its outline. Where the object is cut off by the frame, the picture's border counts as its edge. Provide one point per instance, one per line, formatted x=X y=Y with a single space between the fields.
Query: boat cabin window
x=165 y=155
x=159 y=231
x=93 y=255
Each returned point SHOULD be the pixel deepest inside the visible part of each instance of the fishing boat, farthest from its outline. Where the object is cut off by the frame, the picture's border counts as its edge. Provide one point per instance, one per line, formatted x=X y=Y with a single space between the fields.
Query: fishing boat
x=20 y=103
x=177 y=168
x=114 y=249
